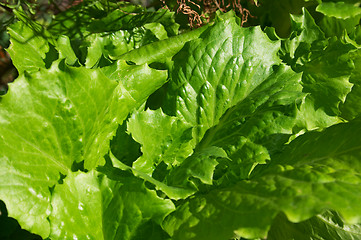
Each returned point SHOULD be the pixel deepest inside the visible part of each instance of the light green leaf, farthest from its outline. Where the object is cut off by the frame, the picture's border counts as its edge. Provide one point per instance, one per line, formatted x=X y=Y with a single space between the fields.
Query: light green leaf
x=163 y=139
x=339 y=17
x=88 y=206
x=138 y=82
x=160 y=51
x=77 y=208
x=53 y=118
x=200 y=165
x=94 y=51
x=157 y=29
x=104 y=46
x=317 y=171
x=173 y=192
x=66 y=50
x=38 y=139
x=340 y=10
x=95 y=113
x=27 y=49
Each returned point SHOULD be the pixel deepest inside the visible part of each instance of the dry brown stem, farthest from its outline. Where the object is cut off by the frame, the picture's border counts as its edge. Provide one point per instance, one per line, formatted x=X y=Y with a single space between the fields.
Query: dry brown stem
x=200 y=12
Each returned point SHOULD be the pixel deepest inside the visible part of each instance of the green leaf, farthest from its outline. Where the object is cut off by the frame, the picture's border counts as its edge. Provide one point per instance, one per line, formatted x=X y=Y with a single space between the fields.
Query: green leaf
x=264 y=112
x=118 y=43
x=250 y=110
x=87 y=206
x=77 y=208
x=332 y=26
x=214 y=72
x=28 y=48
x=66 y=51
x=200 y=165
x=38 y=139
x=326 y=63
x=355 y=35
x=327 y=76
x=339 y=17
x=95 y=51
x=173 y=192
x=106 y=46
x=225 y=149
x=317 y=171
x=277 y=14
x=305 y=37
x=327 y=161
x=51 y=119
x=260 y=123
x=111 y=28
x=167 y=140
x=124 y=147
x=340 y=10
x=160 y=51
x=138 y=82
x=351 y=107
x=157 y=29
x=329 y=225
x=129 y=17
x=163 y=139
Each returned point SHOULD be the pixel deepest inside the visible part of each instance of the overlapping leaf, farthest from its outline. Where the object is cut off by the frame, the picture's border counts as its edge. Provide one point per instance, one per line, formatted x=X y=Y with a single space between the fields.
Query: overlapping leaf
x=277 y=14
x=107 y=29
x=55 y=117
x=91 y=206
x=315 y=172
x=214 y=72
x=326 y=63
x=229 y=151
x=164 y=139
x=328 y=225
x=28 y=49
x=351 y=107
x=161 y=51
x=339 y=17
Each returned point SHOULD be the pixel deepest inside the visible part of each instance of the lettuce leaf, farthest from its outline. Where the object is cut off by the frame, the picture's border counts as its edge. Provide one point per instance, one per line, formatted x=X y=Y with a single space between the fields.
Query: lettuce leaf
x=91 y=206
x=221 y=132
x=314 y=172
x=53 y=118
x=328 y=225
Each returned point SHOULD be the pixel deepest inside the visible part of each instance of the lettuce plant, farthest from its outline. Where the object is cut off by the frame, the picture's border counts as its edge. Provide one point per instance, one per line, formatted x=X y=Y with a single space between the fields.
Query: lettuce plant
x=222 y=132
